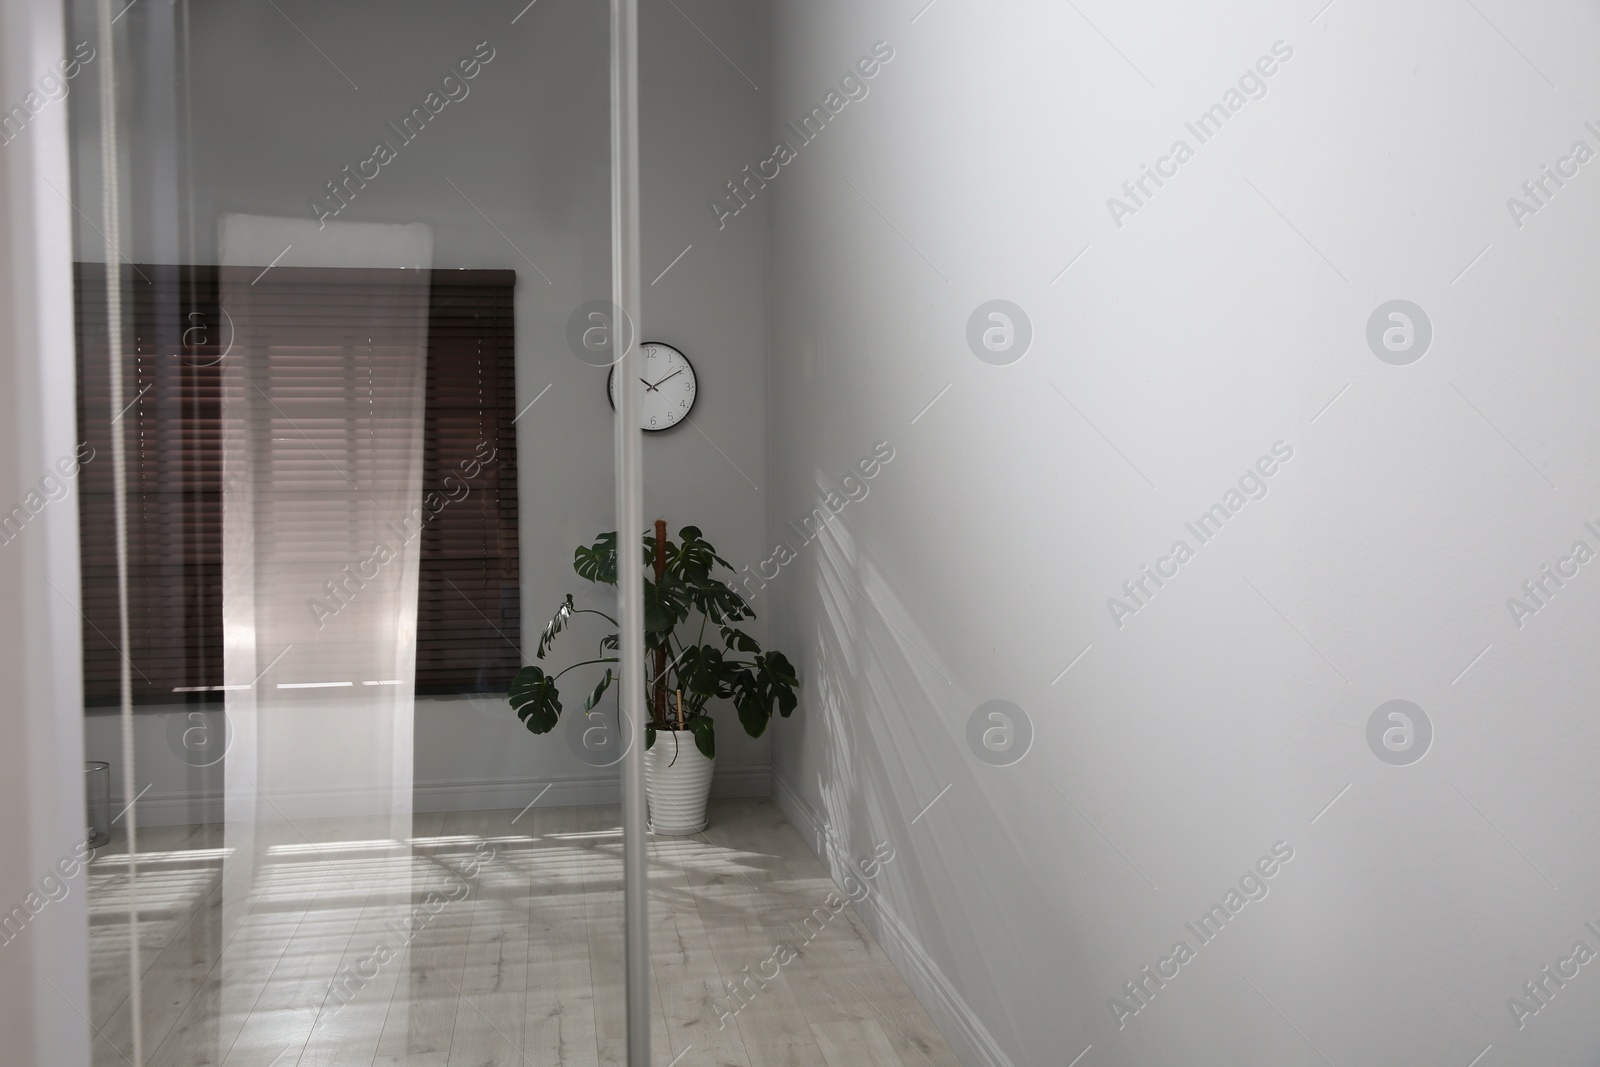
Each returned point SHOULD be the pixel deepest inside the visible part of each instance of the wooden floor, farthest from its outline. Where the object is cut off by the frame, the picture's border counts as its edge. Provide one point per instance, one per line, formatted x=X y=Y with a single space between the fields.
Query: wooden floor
x=518 y=961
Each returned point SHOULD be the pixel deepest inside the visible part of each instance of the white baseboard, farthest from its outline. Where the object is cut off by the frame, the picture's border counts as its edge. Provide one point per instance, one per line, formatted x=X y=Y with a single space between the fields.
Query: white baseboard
x=971 y=1041
x=494 y=793
x=483 y=794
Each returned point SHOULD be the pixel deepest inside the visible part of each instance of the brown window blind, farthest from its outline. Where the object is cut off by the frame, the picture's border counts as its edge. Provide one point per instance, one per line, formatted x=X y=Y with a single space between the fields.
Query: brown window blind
x=177 y=336
x=469 y=613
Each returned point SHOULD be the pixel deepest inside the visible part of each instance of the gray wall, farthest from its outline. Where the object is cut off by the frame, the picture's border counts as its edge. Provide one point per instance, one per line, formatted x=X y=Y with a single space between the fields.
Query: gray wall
x=273 y=121
x=1223 y=316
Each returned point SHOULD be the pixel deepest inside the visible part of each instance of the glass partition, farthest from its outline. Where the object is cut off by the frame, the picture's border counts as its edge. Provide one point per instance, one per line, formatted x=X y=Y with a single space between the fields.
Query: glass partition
x=344 y=300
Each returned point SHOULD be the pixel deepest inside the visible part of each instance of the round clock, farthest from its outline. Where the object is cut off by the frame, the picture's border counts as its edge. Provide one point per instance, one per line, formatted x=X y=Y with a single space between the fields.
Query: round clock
x=669 y=386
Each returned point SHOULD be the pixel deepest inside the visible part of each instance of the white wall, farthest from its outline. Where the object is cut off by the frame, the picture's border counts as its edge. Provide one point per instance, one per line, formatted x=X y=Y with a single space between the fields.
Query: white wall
x=274 y=121
x=1226 y=714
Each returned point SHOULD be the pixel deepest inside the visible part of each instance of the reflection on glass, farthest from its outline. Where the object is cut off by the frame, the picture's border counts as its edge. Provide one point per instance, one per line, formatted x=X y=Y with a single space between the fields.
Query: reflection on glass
x=336 y=292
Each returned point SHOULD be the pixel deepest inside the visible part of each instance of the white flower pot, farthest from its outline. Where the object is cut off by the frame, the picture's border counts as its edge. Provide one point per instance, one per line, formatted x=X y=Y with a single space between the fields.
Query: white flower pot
x=678 y=781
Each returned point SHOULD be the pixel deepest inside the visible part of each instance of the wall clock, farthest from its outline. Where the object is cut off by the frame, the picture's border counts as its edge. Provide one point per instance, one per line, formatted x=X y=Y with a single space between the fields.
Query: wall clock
x=669 y=386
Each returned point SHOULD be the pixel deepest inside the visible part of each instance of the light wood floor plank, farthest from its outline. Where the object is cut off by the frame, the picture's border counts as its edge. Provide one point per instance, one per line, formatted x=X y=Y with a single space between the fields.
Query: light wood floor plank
x=491 y=1013
x=527 y=968
x=859 y=1044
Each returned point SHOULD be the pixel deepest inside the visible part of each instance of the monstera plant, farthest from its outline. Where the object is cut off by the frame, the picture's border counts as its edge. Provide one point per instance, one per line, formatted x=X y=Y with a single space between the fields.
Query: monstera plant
x=684 y=670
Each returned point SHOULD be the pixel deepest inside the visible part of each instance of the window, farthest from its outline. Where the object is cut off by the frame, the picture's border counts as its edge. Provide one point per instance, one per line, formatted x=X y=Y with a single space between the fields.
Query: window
x=468 y=609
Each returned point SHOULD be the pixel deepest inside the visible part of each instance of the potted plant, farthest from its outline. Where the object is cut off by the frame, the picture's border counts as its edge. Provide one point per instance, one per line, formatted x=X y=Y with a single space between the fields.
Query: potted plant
x=681 y=676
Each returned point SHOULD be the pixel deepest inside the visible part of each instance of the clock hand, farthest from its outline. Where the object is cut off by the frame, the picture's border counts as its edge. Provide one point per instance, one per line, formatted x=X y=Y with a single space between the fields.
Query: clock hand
x=674 y=374
x=648 y=387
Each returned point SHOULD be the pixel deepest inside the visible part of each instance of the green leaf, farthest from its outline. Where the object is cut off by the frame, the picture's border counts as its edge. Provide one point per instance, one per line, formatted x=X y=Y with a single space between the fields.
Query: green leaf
x=705 y=738
x=776 y=666
x=600 y=688
x=702 y=671
x=535 y=699
x=649 y=736
x=769 y=680
x=700 y=549
x=598 y=562
x=557 y=623
x=753 y=714
x=739 y=641
x=666 y=604
x=692 y=563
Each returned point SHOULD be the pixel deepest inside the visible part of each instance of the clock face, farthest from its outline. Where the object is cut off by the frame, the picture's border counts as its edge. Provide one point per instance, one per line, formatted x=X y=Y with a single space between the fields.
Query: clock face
x=668 y=382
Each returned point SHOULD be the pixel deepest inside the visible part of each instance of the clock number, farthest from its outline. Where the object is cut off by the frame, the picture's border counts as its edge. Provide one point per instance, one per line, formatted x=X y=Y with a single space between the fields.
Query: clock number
x=662 y=371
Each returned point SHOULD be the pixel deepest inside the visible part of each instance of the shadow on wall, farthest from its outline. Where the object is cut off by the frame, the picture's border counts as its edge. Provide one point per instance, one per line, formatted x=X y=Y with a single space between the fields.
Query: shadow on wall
x=874 y=747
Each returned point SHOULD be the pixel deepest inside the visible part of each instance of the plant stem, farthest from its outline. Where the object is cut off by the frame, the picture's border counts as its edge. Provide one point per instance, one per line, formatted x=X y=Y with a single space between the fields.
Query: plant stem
x=591 y=611
x=585 y=663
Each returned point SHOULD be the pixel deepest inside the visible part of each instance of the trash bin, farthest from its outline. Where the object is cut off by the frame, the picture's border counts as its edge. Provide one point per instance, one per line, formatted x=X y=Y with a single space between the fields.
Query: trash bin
x=97 y=802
